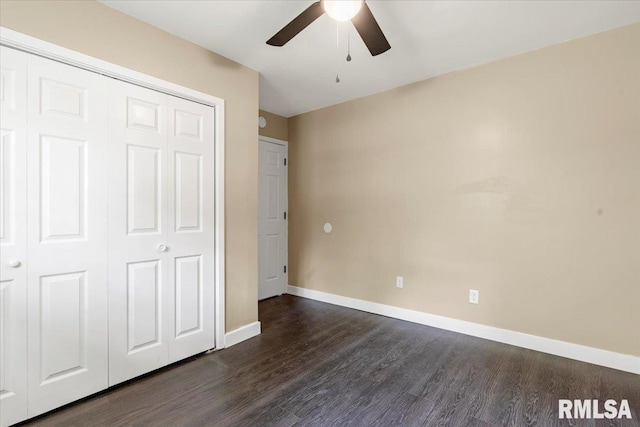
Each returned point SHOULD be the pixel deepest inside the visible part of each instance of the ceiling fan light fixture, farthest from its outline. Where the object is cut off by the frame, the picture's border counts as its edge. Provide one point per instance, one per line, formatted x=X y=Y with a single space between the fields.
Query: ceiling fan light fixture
x=342 y=10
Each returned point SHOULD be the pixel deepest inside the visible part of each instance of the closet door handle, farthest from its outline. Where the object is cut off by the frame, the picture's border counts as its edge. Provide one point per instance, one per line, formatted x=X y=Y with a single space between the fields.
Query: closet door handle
x=162 y=248
x=14 y=263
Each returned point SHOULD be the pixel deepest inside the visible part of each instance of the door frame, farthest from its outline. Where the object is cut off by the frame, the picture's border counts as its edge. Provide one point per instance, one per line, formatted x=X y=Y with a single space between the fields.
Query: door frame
x=29 y=44
x=285 y=144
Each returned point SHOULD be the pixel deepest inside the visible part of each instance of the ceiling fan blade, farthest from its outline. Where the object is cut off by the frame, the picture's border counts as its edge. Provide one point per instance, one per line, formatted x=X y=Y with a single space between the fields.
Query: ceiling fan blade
x=300 y=22
x=370 y=31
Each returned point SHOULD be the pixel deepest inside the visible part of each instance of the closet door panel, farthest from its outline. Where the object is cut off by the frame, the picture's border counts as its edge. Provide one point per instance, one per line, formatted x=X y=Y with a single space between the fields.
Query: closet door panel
x=13 y=237
x=191 y=227
x=67 y=326
x=139 y=296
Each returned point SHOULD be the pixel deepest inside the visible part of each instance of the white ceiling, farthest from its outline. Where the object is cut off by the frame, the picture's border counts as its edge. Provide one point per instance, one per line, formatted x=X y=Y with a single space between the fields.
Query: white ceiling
x=427 y=38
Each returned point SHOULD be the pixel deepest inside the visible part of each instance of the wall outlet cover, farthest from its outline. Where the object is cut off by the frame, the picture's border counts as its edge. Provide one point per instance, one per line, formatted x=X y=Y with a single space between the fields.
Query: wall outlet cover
x=474 y=296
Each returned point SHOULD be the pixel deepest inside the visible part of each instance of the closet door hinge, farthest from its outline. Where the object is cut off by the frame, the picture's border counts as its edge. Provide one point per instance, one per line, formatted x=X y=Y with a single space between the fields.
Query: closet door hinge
x=285 y=268
x=285 y=161
x=285 y=214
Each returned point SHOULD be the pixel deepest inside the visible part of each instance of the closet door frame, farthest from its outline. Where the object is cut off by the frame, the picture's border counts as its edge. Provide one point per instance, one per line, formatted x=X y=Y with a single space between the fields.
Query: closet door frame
x=23 y=42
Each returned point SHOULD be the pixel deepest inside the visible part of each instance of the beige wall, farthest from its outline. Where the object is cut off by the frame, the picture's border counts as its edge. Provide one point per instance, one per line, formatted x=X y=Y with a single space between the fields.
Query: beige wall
x=96 y=30
x=276 y=126
x=520 y=178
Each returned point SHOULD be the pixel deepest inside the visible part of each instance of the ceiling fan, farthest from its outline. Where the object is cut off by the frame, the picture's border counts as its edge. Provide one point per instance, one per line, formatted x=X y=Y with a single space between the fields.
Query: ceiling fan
x=356 y=11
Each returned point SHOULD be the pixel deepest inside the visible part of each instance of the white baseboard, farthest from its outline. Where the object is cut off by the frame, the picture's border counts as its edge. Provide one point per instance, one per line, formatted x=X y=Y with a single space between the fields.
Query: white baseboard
x=241 y=334
x=623 y=362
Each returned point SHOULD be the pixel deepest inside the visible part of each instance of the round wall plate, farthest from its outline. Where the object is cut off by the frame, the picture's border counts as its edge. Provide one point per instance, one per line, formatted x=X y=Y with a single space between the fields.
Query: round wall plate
x=328 y=227
x=262 y=122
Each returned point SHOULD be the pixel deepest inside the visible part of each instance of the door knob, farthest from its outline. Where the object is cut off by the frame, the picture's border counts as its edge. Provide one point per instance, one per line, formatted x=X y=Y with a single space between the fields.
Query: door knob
x=14 y=263
x=163 y=248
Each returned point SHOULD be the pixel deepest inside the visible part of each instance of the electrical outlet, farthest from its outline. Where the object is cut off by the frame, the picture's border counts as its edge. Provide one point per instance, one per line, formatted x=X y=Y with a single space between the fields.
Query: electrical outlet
x=474 y=296
x=399 y=282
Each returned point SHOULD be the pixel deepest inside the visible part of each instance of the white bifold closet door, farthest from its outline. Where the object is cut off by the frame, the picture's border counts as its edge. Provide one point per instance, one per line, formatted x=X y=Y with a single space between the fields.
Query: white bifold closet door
x=161 y=230
x=13 y=237
x=106 y=232
x=67 y=234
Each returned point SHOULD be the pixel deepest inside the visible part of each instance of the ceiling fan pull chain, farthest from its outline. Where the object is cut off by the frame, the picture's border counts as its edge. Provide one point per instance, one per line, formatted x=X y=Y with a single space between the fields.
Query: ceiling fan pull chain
x=337 y=50
x=349 y=44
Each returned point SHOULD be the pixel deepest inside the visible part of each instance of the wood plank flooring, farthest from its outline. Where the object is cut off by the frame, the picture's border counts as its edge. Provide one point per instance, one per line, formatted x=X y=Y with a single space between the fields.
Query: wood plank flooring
x=317 y=364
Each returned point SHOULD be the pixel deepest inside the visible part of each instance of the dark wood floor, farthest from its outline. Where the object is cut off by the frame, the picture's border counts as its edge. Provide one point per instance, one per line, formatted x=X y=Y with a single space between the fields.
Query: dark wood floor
x=318 y=365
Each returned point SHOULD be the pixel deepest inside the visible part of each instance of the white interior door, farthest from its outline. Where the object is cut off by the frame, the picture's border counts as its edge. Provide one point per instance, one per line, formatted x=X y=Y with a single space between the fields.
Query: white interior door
x=272 y=222
x=161 y=230
x=13 y=237
x=139 y=289
x=120 y=187
x=191 y=227
x=67 y=274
